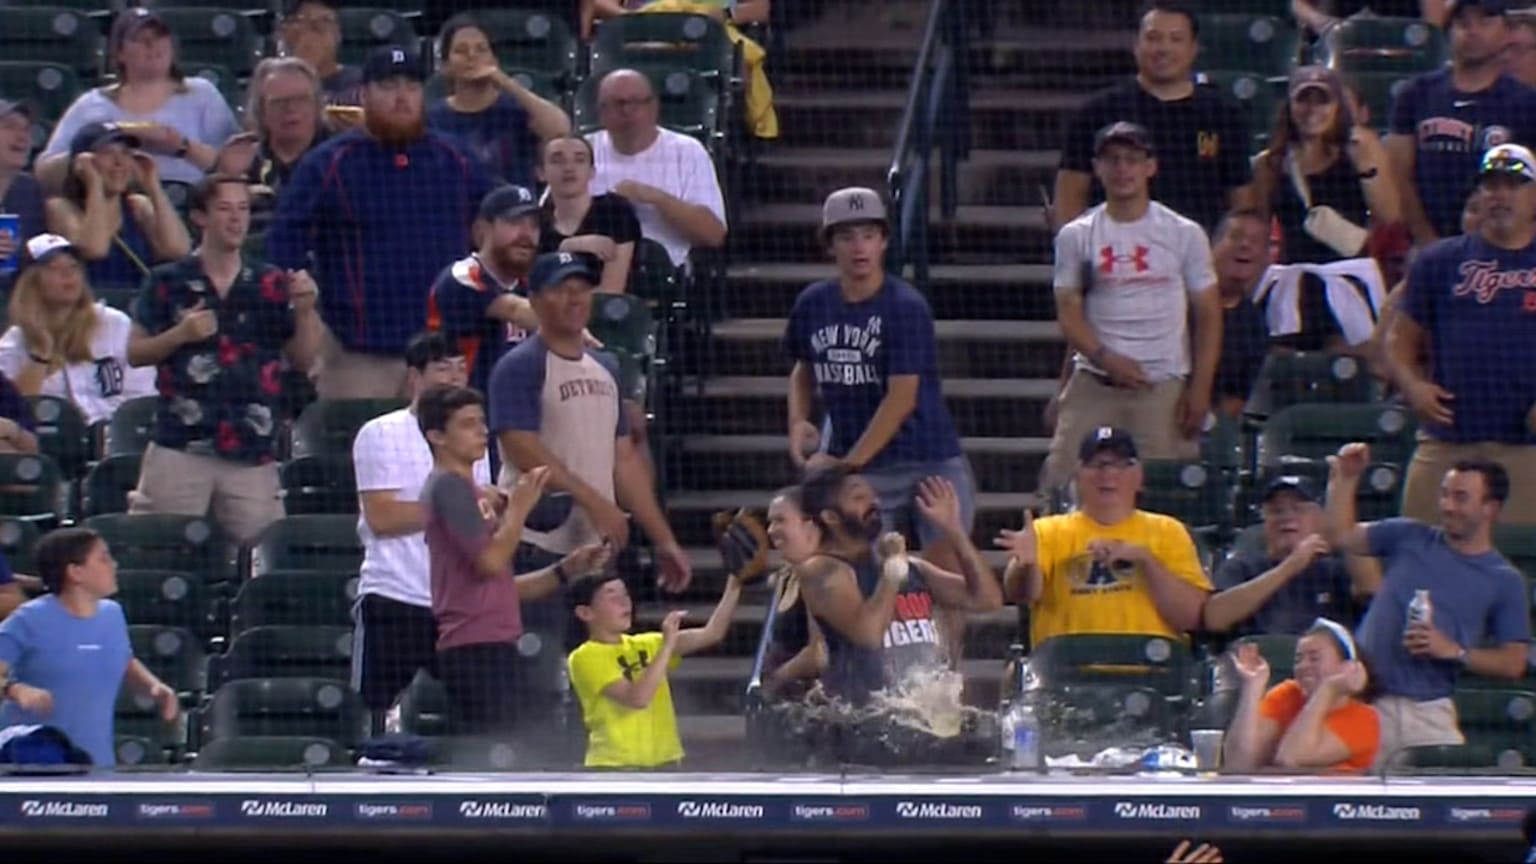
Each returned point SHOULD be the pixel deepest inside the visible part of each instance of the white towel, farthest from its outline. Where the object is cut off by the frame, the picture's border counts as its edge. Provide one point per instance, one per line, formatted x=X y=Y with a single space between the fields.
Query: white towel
x=1354 y=289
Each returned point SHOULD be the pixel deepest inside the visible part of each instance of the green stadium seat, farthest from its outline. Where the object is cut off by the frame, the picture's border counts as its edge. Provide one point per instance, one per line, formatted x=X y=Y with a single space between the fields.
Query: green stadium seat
x=1501 y=720
x=633 y=384
x=138 y=716
x=132 y=426
x=50 y=87
x=1377 y=90
x=173 y=654
x=364 y=29
x=687 y=104
x=665 y=40
x=106 y=486
x=530 y=40
x=1162 y=664
x=1448 y=757
x=1518 y=544
x=286 y=652
x=1294 y=379
x=164 y=598
x=1279 y=651
x=321 y=707
x=208 y=36
x=163 y=541
x=1189 y=491
x=134 y=751
x=51 y=34
x=1376 y=44
x=1077 y=713
x=301 y=599
x=327 y=427
x=318 y=484
x=62 y=434
x=424 y=707
x=1254 y=93
x=623 y=321
x=18 y=537
x=1265 y=45
x=1379 y=495
x=95 y=8
x=1316 y=431
x=222 y=77
x=271 y=753
x=324 y=542
x=31 y=487
x=652 y=275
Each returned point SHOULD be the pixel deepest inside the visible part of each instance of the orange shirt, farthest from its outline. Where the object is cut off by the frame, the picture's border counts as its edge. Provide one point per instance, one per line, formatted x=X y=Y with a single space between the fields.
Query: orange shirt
x=1355 y=723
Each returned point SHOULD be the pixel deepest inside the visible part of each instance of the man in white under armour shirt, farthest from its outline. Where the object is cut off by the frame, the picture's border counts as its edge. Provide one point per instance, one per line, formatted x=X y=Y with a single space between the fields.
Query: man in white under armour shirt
x=395 y=633
x=1127 y=274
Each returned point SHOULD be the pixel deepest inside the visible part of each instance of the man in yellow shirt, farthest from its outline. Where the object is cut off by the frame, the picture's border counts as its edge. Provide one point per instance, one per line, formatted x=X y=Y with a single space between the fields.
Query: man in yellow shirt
x=621 y=679
x=1106 y=567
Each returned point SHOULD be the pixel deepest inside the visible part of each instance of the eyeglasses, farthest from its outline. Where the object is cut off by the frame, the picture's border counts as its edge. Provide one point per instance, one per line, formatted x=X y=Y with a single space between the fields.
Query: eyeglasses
x=626 y=104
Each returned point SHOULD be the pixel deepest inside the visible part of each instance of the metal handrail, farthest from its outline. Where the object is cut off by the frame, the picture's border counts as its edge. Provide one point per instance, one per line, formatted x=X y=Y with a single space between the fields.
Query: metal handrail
x=937 y=111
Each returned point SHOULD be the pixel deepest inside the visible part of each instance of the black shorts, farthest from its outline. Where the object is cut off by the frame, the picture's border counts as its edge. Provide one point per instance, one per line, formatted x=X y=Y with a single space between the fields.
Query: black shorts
x=482 y=685
x=391 y=640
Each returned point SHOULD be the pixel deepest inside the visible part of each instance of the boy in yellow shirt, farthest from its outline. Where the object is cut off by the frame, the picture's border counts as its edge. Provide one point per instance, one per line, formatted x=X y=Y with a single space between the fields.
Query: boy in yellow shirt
x=621 y=679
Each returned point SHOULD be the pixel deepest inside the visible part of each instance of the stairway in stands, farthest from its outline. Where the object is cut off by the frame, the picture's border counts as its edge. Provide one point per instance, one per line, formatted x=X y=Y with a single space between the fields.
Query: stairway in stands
x=999 y=347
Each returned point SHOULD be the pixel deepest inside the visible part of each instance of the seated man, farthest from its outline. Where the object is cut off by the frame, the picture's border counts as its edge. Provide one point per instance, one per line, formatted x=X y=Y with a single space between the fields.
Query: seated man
x=1106 y=567
x=1315 y=721
x=1294 y=579
x=1464 y=605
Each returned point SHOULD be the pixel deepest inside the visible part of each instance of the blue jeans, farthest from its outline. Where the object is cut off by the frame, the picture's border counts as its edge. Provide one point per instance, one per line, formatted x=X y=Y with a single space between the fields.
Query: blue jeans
x=897 y=486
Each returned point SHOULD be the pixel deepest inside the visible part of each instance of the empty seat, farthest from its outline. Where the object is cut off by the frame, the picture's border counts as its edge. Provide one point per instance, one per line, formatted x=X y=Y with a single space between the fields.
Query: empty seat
x=325 y=542
x=1377 y=44
x=165 y=598
x=1316 y=431
x=1157 y=662
x=623 y=321
x=328 y=427
x=1254 y=94
x=108 y=483
x=62 y=434
x=215 y=37
x=287 y=652
x=674 y=40
x=1190 y=492
x=530 y=40
x=173 y=654
x=163 y=541
x=51 y=87
x=51 y=34
x=132 y=426
x=318 y=484
x=1265 y=45
x=134 y=751
x=1309 y=377
x=364 y=29
x=320 y=707
x=18 y=538
x=31 y=487
x=303 y=598
x=271 y=753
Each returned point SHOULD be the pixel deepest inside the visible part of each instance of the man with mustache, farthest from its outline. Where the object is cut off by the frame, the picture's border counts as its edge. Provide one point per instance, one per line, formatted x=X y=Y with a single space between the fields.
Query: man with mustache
x=380 y=210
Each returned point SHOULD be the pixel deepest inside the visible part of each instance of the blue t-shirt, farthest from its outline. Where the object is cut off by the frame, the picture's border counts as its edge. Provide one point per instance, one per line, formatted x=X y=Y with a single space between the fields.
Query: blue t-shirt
x=1477 y=303
x=1478 y=601
x=854 y=349
x=1452 y=130
x=81 y=661
x=499 y=135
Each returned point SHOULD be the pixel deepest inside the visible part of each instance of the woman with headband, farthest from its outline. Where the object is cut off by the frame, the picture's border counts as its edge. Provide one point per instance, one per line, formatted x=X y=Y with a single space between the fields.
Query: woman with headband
x=1315 y=722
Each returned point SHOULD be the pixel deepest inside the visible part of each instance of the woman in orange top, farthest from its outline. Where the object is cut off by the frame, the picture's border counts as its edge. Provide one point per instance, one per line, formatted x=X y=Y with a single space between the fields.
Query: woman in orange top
x=1315 y=721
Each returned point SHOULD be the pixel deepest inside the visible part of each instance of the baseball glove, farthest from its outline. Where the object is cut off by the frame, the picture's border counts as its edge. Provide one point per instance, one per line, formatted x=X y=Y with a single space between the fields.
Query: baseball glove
x=743 y=543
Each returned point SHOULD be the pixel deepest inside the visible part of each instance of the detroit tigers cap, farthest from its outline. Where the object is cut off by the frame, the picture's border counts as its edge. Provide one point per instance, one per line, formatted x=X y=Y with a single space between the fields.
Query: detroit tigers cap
x=1301 y=487
x=851 y=205
x=1117 y=441
x=552 y=268
x=1124 y=132
x=393 y=61
x=508 y=202
x=93 y=135
x=1487 y=7
x=1510 y=159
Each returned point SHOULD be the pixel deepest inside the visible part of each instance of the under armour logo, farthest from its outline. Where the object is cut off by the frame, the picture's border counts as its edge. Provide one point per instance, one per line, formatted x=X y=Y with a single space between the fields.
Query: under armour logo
x=1138 y=259
x=631 y=670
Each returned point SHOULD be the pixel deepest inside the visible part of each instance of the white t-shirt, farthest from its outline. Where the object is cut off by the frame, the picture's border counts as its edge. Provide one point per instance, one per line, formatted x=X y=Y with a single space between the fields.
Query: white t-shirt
x=390 y=453
x=1143 y=274
x=676 y=164
x=96 y=386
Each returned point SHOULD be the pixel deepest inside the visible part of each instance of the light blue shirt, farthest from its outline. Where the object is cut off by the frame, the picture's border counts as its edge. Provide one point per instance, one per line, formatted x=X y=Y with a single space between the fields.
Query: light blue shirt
x=81 y=661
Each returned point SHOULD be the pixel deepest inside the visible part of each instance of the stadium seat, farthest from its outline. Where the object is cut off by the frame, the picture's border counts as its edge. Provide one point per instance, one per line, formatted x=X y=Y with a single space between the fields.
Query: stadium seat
x=135 y=751
x=173 y=654
x=1379 y=495
x=318 y=484
x=132 y=426
x=1315 y=431
x=270 y=753
x=632 y=377
x=424 y=707
x=1448 y=757
x=667 y=40
x=623 y=321
x=324 y=542
x=223 y=78
x=652 y=275
x=51 y=34
x=1377 y=90
x=1376 y=44
x=50 y=87
x=122 y=299
x=1191 y=492
x=1294 y=379
x=1094 y=714
x=107 y=484
x=214 y=37
x=62 y=434
x=1279 y=651
x=1163 y=664
x=1518 y=544
x=1265 y=45
x=687 y=105
x=327 y=427
x=1502 y=720
x=322 y=707
x=162 y=541
x=1255 y=94
x=164 y=598
x=286 y=652
x=137 y=715
x=303 y=598
x=18 y=537
x=363 y=29
x=530 y=40
x=31 y=487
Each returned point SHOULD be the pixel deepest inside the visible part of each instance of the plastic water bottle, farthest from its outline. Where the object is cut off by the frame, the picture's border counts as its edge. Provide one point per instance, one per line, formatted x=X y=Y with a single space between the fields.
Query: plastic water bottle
x=1420 y=611
x=1025 y=728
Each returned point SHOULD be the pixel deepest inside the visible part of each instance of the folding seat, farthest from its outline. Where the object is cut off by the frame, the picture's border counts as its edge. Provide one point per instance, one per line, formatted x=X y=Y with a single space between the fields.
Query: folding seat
x=270 y=753
x=1265 y=45
x=164 y=541
x=318 y=484
x=328 y=427
x=49 y=87
x=312 y=707
x=1316 y=431
x=32 y=488
x=1191 y=492
x=106 y=486
x=669 y=40
x=62 y=433
x=165 y=598
x=132 y=426
x=1310 y=377
x=530 y=41
x=1377 y=44
x=302 y=598
x=286 y=652
x=52 y=34
x=324 y=542
x=173 y=654
x=364 y=29
x=214 y=36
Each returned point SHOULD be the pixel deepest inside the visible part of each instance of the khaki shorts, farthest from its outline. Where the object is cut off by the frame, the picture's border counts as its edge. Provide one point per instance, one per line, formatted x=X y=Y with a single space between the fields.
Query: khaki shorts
x=1410 y=723
x=1151 y=416
x=1431 y=459
x=245 y=499
x=343 y=374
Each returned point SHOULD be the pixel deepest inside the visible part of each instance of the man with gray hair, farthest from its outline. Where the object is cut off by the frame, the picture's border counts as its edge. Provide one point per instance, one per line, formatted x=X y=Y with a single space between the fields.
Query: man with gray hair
x=667 y=176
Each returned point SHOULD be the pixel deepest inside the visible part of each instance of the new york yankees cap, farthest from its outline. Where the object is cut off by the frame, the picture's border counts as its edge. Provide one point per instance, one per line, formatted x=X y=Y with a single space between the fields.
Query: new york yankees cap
x=1124 y=132
x=552 y=268
x=851 y=205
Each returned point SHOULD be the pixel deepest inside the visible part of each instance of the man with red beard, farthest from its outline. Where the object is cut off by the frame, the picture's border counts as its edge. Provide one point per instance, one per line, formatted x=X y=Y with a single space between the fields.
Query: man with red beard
x=379 y=211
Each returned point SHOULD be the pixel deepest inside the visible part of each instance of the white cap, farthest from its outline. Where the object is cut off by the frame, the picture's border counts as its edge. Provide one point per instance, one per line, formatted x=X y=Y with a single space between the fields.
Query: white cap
x=45 y=246
x=1509 y=159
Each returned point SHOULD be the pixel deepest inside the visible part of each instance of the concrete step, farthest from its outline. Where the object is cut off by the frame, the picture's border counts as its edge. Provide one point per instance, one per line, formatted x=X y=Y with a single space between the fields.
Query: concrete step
x=997 y=177
x=986 y=407
x=733 y=461
x=778 y=232
x=1001 y=119
x=1002 y=290
x=968 y=348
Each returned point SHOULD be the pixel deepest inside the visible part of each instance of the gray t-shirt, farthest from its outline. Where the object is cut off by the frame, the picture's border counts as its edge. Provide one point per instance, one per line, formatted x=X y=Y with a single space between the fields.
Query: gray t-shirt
x=200 y=113
x=1477 y=600
x=1321 y=590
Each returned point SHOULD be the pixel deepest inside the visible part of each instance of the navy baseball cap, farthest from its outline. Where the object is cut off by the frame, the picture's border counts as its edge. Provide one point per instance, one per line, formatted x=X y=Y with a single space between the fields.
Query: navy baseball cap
x=131 y=21
x=393 y=61
x=93 y=135
x=552 y=268
x=508 y=202
x=1117 y=441
x=1124 y=132
x=1301 y=487
x=16 y=106
x=1487 y=7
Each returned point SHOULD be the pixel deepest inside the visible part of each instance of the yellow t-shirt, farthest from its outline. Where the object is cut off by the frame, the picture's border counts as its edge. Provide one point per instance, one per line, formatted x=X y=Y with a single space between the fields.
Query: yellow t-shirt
x=619 y=736
x=1080 y=596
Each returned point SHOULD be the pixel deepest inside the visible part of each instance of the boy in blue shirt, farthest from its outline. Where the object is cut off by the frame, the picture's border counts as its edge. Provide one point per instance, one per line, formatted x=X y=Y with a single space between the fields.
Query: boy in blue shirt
x=63 y=656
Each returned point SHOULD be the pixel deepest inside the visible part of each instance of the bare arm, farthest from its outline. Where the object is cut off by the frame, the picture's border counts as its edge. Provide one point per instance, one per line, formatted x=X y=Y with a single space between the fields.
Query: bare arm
x=635 y=492
x=1207 y=338
x=496 y=557
x=802 y=393
x=140 y=679
x=696 y=222
x=1339 y=526
x=514 y=310
x=1406 y=341
x=161 y=224
x=545 y=119
x=1308 y=742
x=1226 y=609
x=1177 y=601
x=1377 y=179
x=388 y=516
x=147 y=350
x=750 y=12
x=525 y=451
x=1023 y=583
x=616 y=269
x=90 y=229
x=898 y=404
x=1079 y=334
x=1072 y=191
x=10 y=598
x=51 y=171
x=14 y=438
x=807 y=663
x=1251 y=739
x=974 y=589
x=1402 y=159
x=696 y=639
x=832 y=594
x=638 y=693
x=1502 y=661
x=29 y=381
x=308 y=339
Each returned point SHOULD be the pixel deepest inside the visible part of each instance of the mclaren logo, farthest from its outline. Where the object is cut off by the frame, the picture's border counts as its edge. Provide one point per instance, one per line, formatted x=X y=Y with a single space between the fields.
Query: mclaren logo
x=34 y=809
x=284 y=809
x=1375 y=813
x=1148 y=811
x=719 y=810
x=936 y=810
x=501 y=810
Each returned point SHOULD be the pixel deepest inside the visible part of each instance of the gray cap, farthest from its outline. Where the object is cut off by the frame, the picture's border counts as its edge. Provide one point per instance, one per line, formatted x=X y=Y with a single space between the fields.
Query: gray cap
x=850 y=205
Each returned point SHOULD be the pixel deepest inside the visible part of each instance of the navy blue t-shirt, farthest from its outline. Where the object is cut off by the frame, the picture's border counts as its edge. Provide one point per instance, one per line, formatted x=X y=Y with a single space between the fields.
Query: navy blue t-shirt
x=460 y=298
x=1452 y=130
x=14 y=406
x=1322 y=590
x=499 y=135
x=1477 y=303
x=1478 y=601
x=854 y=349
